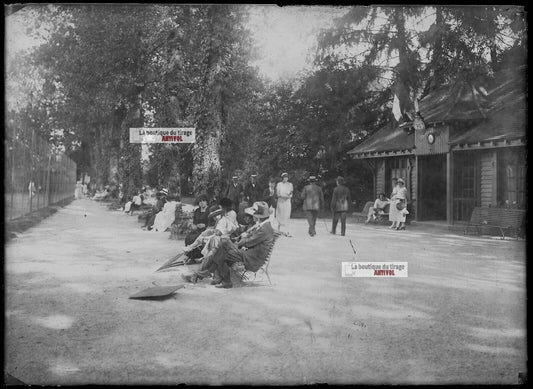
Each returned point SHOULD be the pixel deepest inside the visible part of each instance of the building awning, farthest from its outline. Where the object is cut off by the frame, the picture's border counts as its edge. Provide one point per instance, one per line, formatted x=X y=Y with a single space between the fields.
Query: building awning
x=508 y=116
x=389 y=140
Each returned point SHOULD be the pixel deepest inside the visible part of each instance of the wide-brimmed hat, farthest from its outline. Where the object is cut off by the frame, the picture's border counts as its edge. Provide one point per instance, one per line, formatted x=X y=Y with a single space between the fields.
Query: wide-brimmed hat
x=225 y=202
x=234 y=178
x=284 y=174
x=261 y=210
x=215 y=211
x=401 y=180
x=163 y=192
x=312 y=178
x=250 y=211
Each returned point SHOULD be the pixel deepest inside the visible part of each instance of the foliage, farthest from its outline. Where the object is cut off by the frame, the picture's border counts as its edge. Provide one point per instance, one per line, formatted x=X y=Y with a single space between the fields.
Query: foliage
x=105 y=68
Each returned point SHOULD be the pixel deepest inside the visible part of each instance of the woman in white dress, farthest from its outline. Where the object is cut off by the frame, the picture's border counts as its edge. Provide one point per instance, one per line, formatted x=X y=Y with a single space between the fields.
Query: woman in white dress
x=284 y=190
x=399 y=195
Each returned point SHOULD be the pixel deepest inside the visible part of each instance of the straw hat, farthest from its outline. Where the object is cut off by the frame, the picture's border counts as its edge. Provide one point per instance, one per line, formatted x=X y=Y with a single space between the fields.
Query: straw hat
x=261 y=210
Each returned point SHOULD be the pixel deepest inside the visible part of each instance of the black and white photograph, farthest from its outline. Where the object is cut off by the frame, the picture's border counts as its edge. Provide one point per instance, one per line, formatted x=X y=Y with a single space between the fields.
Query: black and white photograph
x=265 y=194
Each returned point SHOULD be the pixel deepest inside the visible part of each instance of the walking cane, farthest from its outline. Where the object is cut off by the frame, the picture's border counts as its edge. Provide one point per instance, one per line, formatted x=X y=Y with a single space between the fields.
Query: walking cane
x=353 y=248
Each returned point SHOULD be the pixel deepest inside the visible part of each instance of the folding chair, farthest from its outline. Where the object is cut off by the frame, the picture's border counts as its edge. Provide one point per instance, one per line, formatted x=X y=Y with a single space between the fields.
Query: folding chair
x=244 y=274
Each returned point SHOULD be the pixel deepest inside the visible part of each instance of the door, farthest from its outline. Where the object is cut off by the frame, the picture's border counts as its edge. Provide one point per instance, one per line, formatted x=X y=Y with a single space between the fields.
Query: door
x=432 y=187
x=466 y=187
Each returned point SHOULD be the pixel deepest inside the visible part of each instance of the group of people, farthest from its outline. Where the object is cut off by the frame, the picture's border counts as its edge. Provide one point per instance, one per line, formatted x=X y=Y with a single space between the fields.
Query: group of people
x=160 y=216
x=81 y=190
x=224 y=234
x=218 y=240
x=396 y=204
x=238 y=228
x=277 y=196
x=313 y=201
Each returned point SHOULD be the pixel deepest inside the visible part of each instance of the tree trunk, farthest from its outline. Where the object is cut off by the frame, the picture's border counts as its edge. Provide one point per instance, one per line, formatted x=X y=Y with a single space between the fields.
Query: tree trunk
x=406 y=81
x=206 y=155
x=129 y=166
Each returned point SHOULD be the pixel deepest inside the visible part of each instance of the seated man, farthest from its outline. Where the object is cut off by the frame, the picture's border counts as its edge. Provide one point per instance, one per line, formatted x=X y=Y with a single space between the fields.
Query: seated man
x=212 y=245
x=252 y=249
x=380 y=204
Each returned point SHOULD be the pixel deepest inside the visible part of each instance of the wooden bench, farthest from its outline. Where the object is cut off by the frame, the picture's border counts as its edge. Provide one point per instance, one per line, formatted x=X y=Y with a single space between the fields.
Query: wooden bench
x=242 y=274
x=503 y=219
x=361 y=217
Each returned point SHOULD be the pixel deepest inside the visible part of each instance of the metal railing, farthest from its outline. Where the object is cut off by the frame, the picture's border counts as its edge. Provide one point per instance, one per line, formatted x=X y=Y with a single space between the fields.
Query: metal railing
x=35 y=175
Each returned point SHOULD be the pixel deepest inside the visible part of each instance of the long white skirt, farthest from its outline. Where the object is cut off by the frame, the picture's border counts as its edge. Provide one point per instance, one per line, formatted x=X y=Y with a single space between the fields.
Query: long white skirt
x=165 y=218
x=283 y=212
x=394 y=214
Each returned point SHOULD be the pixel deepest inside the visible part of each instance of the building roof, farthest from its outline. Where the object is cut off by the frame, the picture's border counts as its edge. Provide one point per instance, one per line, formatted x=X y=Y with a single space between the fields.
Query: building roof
x=500 y=115
x=388 y=138
x=507 y=112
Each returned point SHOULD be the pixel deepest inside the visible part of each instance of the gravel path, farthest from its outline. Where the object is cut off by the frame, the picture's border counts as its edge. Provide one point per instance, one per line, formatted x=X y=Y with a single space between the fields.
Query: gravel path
x=459 y=316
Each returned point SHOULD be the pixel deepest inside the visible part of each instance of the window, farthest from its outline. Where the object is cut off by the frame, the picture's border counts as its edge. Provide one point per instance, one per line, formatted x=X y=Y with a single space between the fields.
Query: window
x=512 y=178
x=395 y=168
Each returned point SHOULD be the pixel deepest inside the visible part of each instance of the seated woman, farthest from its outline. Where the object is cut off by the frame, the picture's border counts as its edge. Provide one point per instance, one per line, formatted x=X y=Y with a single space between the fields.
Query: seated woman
x=226 y=223
x=149 y=217
x=379 y=208
x=136 y=202
x=200 y=221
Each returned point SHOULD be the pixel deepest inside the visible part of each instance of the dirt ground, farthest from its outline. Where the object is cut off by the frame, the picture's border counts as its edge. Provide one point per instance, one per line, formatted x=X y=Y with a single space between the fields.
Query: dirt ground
x=459 y=316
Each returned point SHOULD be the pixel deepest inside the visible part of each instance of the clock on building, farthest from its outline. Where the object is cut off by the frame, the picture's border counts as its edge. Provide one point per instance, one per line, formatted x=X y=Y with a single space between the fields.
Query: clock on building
x=431 y=138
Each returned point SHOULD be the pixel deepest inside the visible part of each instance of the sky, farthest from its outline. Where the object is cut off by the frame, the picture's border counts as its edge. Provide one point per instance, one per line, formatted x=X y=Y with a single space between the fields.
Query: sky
x=286 y=36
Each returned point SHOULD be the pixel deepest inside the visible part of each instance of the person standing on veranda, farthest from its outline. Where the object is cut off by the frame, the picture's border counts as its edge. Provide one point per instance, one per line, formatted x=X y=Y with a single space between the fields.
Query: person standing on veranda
x=398 y=207
x=284 y=191
x=392 y=196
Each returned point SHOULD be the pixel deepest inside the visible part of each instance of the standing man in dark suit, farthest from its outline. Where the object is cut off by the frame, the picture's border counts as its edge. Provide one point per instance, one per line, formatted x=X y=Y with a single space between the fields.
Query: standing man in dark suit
x=252 y=191
x=235 y=192
x=313 y=198
x=340 y=203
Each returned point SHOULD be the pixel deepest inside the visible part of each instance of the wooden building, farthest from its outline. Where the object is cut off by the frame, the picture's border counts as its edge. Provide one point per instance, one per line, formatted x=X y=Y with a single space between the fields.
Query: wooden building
x=469 y=151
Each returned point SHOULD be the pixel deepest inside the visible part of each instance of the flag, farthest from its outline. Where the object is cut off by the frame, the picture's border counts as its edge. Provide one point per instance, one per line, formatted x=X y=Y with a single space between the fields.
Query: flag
x=396 y=108
x=402 y=107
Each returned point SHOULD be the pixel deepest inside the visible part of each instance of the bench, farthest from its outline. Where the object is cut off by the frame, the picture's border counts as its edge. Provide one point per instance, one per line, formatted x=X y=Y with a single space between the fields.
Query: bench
x=242 y=274
x=361 y=217
x=503 y=219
